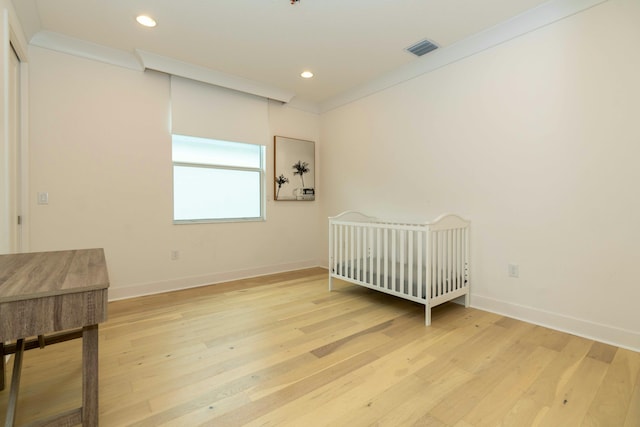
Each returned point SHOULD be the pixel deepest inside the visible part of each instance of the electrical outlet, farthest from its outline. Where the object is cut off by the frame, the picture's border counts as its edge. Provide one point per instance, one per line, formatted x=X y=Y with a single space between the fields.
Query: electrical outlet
x=175 y=255
x=514 y=270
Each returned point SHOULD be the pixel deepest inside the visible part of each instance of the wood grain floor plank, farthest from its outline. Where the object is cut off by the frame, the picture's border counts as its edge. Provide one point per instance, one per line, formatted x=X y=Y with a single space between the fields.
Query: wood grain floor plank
x=498 y=401
x=356 y=389
x=615 y=391
x=633 y=413
x=576 y=395
x=465 y=398
x=402 y=404
x=263 y=405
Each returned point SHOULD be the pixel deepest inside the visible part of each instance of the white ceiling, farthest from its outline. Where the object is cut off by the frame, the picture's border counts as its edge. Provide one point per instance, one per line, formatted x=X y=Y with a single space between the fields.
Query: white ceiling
x=345 y=43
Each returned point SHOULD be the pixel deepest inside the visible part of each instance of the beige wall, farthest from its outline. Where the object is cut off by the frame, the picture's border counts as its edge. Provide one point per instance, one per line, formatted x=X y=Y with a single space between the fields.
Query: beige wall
x=537 y=141
x=101 y=147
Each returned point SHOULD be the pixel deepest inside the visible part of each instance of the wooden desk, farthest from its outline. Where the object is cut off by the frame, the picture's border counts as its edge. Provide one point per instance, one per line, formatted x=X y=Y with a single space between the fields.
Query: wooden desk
x=48 y=292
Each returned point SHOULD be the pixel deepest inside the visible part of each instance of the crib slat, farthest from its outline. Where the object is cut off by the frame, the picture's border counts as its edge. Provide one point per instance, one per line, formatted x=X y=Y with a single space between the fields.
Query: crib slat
x=370 y=255
x=460 y=255
x=430 y=265
x=438 y=263
x=347 y=251
x=386 y=258
x=452 y=279
x=410 y=289
x=364 y=253
x=400 y=284
x=340 y=249
x=447 y=256
x=354 y=251
x=358 y=251
x=364 y=232
x=343 y=249
x=447 y=283
x=333 y=242
x=378 y=256
x=420 y=286
x=441 y=261
x=456 y=260
x=393 y=258
x=467 y=273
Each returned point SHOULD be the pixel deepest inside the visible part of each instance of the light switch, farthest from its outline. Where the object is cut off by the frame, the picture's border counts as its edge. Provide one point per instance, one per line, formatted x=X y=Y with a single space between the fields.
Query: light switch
x=514 y=270
x=43 y=198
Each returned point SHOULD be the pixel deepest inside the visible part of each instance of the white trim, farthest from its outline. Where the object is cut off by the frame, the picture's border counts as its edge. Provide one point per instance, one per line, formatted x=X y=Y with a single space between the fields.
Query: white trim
x=84 y=49
x=304 y=105
x=25 y=229
x=519 y=25
x=16 y=36
x=151 y=288
x=5 y=184
x=174 y=67
x=619 y=337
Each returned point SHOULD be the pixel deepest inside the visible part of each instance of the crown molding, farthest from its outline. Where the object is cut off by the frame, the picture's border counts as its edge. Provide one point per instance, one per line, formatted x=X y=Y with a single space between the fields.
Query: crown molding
x=174 y=67
x=84 y=49
x=304 y=105
x=519 y=25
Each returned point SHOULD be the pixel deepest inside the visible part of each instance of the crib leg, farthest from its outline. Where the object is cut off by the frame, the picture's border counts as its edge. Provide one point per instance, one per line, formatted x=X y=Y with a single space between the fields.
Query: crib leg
x=330 y=283
x=466 y=299
x=427 y=314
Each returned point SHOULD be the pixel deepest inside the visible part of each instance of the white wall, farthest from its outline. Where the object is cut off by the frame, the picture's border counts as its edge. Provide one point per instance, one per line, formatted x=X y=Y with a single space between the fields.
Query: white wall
x=101 y=148
x=537 y=142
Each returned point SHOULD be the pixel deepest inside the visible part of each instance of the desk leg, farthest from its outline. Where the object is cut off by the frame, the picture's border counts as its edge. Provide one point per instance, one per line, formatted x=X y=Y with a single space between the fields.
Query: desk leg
x=12 y=405
x=90 y=375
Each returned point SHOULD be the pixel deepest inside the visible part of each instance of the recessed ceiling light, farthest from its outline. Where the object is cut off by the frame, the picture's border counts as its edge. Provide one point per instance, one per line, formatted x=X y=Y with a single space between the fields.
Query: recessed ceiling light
x=306 y=74
x=146 y=21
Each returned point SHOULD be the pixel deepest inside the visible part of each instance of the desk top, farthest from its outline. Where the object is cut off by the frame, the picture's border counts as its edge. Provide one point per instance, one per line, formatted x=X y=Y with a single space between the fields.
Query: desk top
x=43 y=274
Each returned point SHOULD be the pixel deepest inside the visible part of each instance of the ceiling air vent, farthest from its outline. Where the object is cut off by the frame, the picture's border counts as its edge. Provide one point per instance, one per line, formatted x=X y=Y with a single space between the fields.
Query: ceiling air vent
x=421 y=48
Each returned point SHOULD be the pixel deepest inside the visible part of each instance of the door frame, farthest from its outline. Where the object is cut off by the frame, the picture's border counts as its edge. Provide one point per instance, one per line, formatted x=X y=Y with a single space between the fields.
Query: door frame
x=12 y=41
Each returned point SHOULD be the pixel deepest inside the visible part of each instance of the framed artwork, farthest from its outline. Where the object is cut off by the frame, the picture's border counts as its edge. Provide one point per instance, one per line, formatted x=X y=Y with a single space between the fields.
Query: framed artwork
x=294 y=169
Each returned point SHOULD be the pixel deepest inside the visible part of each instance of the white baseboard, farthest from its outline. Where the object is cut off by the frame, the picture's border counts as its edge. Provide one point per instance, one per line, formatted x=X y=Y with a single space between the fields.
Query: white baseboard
x=142 y=289
x=619 y=337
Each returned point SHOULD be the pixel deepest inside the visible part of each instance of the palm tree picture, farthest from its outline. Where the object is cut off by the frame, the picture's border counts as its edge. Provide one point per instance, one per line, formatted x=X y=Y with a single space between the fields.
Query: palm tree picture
x=293 y=158
x=300 y=168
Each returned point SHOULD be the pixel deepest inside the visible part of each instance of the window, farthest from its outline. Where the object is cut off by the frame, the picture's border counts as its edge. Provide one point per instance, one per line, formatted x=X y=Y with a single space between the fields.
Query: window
x=217 y=180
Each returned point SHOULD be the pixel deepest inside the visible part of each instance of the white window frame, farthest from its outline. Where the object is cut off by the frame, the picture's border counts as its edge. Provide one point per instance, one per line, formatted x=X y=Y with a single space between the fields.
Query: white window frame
x=261 y=172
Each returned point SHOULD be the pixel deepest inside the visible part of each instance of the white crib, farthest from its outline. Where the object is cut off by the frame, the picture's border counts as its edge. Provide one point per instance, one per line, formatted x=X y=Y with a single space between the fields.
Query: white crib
x=423 y=262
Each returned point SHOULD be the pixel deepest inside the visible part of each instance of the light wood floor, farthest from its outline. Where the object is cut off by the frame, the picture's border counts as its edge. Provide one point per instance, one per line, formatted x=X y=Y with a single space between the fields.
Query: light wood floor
x=283 y=351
